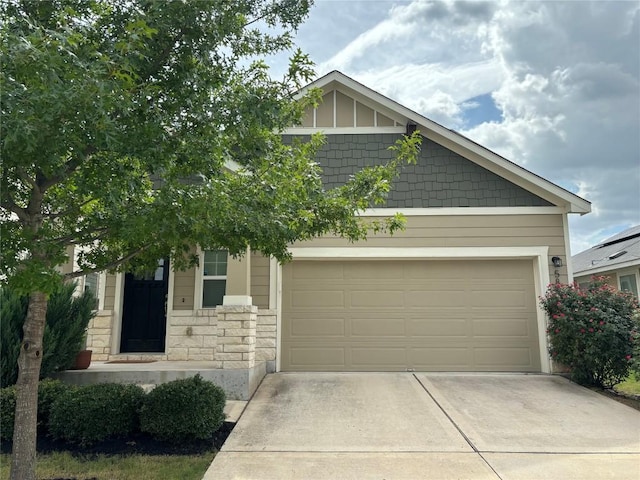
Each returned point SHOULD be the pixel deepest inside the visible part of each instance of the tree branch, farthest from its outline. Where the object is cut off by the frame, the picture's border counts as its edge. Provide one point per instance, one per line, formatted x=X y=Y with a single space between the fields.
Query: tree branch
x=10 y=205
x=108 y=266
x=24 y=176
x=73 y=238
x=76 y=208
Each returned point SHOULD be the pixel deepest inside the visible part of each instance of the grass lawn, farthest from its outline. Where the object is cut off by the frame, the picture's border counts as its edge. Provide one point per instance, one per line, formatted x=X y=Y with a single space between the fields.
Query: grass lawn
x=631 y=386
x=117 y=467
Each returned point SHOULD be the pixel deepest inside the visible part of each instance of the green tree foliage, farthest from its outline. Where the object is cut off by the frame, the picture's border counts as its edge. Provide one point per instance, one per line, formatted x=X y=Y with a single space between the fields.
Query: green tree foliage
x=593 y=331
x=64 y=334
x=120 y=122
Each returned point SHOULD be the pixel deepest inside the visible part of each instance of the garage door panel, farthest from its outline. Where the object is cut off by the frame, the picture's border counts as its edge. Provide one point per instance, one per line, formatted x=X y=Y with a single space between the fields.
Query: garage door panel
x=369 y=271
x=328 y=298
x=428 y=298
x=499 y=299
x=370 y=299
x=440 y=358
x=318 y=327
x=424 y=315
x=321 y=270
x=503 y=358
x=379 y=357
x=309 y=356
x=440 y=327
x=496 y=328
x=378 y=327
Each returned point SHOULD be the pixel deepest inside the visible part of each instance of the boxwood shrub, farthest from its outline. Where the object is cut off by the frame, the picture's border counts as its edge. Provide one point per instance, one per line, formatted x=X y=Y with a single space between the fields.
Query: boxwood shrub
x=48 y=392
x=93 y=413
x=183 y=410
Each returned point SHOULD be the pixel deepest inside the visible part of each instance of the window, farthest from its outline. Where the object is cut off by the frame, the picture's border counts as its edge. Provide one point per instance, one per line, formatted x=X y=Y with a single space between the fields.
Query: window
x=91 y=284
x=628 y=282
x=214 y=277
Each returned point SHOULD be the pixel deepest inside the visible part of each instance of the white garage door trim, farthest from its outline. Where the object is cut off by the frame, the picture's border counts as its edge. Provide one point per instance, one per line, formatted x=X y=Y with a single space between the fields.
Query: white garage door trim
x=539 y=255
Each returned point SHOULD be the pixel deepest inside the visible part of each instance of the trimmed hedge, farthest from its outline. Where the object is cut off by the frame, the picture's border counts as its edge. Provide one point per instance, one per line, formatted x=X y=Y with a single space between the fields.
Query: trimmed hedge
x=178 y=411
x=92 y=413
x=48 y=392
x=183 y=410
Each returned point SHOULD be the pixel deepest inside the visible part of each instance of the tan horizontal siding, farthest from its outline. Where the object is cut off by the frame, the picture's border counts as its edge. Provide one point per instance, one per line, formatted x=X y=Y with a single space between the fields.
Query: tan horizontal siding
x=184 y=284
x=260 y=280
x=469 y=231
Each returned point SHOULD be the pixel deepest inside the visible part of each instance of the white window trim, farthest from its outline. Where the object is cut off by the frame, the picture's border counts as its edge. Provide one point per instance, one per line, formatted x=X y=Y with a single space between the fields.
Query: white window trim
x=628 y=272
x=539 y=255
x=200 y=278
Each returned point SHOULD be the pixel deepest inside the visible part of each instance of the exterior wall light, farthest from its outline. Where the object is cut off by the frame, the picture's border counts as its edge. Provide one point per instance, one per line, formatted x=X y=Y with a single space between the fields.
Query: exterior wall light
x=557 y=262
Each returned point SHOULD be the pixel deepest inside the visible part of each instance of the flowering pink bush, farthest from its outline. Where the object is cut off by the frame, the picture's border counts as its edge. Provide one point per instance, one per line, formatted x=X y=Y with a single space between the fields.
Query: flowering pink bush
x=593 y=331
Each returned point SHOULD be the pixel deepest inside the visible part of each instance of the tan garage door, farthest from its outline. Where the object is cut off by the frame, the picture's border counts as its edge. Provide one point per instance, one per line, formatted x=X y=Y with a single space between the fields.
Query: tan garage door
x=401 y=315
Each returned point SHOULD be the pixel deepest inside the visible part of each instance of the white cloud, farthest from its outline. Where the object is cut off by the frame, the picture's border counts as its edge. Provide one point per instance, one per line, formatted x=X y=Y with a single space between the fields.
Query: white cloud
x=571 y=104
x=565 y=75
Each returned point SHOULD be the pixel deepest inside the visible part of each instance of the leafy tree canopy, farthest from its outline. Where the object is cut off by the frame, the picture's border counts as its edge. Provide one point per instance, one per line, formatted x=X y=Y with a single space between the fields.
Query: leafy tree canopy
x=120 y=121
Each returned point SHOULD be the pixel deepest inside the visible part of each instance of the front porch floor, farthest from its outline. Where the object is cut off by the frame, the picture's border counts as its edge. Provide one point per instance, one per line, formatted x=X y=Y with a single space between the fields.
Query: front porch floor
x=239 y=384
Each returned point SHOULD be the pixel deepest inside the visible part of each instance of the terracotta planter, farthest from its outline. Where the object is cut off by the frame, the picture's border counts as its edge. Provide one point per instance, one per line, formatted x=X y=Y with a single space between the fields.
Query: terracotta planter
x=82 y=360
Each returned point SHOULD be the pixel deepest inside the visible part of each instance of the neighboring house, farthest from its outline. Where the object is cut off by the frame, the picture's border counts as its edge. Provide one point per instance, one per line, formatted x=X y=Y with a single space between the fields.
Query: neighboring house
x=456 y=291
x=617 y=258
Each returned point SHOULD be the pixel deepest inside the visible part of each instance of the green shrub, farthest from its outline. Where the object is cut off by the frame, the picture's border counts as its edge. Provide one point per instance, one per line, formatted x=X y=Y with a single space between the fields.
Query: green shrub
x=92 y=413
x=183 y=410
x=64 y=333
x=48 y=392
x=7 y=412
x=592 y=331
x=13 y=310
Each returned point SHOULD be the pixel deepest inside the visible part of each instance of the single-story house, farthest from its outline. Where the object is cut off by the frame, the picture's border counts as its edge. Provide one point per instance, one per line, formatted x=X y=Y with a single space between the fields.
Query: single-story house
x=617 y=258
x=456 y=291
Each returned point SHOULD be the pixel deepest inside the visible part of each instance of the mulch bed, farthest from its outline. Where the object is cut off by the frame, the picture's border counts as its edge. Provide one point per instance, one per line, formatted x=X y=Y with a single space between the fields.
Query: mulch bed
x=628 y=400
x=139 y=444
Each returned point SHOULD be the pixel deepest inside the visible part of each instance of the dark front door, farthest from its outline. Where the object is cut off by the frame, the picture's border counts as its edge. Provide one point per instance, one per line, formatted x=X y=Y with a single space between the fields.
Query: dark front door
x=144 y=313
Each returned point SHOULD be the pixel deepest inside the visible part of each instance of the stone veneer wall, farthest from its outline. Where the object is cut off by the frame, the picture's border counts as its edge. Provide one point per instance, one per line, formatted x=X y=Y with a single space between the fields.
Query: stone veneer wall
x=266 y=336
x=195 y=335
x=99 y=335
x=192 y=335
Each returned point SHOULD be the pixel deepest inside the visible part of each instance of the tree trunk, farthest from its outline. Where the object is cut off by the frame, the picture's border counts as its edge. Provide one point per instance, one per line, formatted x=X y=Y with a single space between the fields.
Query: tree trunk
x=23 y=457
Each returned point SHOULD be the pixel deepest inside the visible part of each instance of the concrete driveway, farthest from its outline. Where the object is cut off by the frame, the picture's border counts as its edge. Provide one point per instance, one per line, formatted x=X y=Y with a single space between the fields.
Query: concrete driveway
x=312 y=426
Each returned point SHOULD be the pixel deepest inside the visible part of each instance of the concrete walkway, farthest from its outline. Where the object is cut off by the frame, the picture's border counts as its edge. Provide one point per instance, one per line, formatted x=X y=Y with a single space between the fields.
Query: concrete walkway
x=429 y=426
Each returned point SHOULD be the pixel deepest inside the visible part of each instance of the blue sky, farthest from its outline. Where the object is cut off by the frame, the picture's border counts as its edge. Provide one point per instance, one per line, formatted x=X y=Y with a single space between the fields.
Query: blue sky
x=553 y=86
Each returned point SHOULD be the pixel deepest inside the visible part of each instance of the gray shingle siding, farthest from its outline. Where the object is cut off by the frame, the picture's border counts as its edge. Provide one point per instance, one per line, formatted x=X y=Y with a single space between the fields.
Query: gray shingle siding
x=441 y=178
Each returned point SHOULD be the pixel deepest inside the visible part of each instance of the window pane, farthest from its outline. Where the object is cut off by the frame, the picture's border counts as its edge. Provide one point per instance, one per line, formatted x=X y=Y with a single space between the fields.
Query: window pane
x=215 y=263
x=91 y=283
x=628 y=282
x=212 y=293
